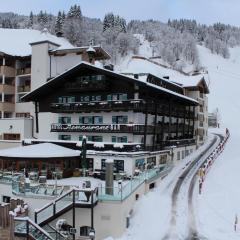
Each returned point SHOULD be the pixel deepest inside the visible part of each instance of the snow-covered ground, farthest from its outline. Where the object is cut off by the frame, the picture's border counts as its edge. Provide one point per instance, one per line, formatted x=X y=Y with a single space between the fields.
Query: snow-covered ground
x=219 y=203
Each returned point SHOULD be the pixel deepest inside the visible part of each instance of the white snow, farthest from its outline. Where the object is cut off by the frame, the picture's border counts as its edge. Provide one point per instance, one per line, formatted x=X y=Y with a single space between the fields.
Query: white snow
x=218 y=205
x=42 y=150
x=16 y=42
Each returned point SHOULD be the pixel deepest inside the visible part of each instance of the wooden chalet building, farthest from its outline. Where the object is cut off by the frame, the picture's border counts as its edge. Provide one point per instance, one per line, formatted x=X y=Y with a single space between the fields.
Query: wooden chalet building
x=144 y=119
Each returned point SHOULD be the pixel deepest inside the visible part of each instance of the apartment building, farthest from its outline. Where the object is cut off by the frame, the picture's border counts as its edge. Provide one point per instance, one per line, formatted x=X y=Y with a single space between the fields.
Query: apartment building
x=29 y=63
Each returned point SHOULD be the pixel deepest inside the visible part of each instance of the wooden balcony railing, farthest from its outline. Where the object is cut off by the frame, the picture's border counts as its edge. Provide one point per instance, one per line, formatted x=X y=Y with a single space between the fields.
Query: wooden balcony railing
x=126 y=105
x=7 y=71
x=7 y=89
x=7 y=106
x=23 y=71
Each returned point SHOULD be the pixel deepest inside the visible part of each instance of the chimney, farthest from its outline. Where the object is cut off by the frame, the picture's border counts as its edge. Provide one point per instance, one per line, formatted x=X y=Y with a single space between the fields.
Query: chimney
x=109 y=67
x=136 y=76
x=91 y=52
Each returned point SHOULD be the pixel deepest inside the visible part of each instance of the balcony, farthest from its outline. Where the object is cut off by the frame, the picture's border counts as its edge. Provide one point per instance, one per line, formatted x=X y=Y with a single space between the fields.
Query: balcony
x=7 y=71
x=108 y=106
x=135 y=147
x=23 y=71
x=103 y=128
x=7 y=89
x=23 y=88
x=7 y=106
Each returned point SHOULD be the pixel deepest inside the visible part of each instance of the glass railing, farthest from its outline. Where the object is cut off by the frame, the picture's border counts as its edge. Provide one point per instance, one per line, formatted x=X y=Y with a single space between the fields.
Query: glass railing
x=124 y=190
x=24 y=227
x=65 y=202
x=45 y=213
x=53 y=232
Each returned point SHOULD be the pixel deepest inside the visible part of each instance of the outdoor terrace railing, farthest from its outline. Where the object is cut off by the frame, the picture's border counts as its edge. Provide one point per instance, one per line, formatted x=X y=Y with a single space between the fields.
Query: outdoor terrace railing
x=25 y=227
x=123 y=191
x=86 y=198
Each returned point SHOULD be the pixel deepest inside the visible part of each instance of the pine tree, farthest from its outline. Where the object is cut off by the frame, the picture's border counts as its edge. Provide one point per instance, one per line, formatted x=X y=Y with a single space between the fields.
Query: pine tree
x=109 y=21
x=59 y=24
x=40 y=17
x=31 y=19
x=123 y=25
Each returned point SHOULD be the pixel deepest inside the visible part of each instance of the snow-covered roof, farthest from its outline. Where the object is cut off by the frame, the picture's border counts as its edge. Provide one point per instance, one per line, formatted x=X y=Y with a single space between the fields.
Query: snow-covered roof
x=16 y=42
x=136 y=66
x=41 y=150
x=29 y=95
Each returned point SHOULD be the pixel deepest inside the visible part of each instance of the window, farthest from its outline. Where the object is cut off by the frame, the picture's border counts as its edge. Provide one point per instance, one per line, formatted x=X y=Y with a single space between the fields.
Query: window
x=64 y=137
x=98 y=98
x=151 y=161
x=98 y=120
x=119 y=165
x=139 y=162
x=122 y=139
x=119 y=119
x=95 y=138
x=163 y=159
x=91 y=120
x=92 y=138
x=64 y=120
x=66 y=99
x=22 y=115
x=103 y=164
x=99 y=77
x=117 y=96
x=123 y=96
x=11 y=136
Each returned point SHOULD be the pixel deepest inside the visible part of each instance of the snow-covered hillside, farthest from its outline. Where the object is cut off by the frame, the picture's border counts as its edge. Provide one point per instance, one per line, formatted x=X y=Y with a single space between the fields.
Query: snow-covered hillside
x=217 y=207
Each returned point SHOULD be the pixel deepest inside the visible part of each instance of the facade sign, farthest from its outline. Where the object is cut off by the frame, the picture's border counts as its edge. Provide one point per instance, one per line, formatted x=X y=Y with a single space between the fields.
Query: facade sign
x=82 y=128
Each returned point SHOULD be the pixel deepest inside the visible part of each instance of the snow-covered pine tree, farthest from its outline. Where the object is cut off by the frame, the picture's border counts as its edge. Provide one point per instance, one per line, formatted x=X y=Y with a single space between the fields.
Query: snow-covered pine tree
x=59 y=24
x=72 y=27
x=109 y=21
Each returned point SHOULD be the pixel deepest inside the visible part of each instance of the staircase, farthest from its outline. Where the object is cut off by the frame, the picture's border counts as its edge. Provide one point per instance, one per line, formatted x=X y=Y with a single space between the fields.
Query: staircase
x=40 y=228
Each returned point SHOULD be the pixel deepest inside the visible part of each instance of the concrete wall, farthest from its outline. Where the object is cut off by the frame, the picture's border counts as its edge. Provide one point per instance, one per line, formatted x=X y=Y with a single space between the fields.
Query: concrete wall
x=22 y=126
x=60 y=64
x=40 y=67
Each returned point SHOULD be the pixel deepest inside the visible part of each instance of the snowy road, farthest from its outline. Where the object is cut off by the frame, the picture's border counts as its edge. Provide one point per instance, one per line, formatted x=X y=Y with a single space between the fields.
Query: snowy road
x=182 y=198
x=168 y=212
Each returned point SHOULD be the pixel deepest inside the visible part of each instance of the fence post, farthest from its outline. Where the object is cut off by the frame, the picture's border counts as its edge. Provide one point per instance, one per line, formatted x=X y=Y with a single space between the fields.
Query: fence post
x=35 y=217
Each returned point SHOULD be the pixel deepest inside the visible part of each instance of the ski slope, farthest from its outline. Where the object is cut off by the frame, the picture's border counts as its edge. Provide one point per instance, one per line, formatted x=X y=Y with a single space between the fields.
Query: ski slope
x=219 y=203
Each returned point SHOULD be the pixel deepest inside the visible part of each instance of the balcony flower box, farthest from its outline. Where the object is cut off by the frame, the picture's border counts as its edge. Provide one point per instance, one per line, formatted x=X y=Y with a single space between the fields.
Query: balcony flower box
x=118 y=145
x=99 y=145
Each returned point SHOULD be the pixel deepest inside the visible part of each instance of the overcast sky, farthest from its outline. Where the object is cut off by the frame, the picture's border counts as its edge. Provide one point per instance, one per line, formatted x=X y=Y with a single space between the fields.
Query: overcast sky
x=204 y=11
